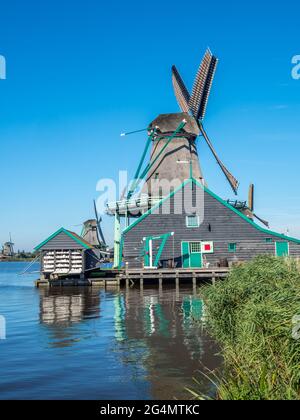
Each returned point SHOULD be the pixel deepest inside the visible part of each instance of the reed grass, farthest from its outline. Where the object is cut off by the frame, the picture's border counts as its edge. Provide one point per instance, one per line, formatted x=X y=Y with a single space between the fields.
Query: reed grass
x=250 y=314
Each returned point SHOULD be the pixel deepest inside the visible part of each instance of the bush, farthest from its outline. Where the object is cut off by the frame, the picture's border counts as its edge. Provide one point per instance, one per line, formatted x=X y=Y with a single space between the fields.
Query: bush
x=250 y=314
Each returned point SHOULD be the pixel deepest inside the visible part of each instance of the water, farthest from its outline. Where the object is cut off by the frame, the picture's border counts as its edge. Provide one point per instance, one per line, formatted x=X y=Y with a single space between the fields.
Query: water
x=95 y=344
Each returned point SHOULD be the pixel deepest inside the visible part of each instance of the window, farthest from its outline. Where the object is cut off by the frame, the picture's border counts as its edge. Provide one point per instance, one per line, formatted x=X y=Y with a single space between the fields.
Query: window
x=269 y=240
x=195 y=247
x=192 y=221
x=232 y=247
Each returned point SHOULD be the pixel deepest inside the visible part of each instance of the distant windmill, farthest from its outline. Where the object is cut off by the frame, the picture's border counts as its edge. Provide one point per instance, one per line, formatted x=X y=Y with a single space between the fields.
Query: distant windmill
x=196 y=103
x=8 y=248
x=92 y=231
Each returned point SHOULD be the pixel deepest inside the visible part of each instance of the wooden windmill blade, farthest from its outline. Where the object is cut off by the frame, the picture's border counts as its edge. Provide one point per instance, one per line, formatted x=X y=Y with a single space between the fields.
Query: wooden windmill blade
x=264 y=222
x=200 y=83
x=181 y=92
x=207 y=89
x=99 y=229
x=234 y=183
x=251 y=198
x=251 y=206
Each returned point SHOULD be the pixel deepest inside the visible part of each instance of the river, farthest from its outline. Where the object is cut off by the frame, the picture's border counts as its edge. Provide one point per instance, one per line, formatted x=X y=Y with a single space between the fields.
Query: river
x=91 y=343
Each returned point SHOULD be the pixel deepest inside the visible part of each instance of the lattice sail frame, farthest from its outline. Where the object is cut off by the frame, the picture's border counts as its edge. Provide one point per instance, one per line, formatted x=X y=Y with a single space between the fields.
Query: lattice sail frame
x=196 y=103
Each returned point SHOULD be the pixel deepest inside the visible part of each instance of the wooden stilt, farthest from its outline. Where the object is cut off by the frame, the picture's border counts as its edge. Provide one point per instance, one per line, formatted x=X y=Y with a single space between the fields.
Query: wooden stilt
x=194 y=285
x=177 y=285
x=160 y=284
x=214 y=279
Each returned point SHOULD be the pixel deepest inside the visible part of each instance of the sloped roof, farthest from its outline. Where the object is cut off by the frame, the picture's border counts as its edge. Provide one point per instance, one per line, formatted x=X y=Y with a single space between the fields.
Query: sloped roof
x=220 y=200
x=72 y=235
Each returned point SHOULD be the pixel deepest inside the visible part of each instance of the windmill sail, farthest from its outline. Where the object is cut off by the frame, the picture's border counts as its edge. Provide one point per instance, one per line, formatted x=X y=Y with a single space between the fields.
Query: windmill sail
x=200 y=84
x=251 y=198
x=264 y=222
x=231 y=179
x=206 y=92
x=181 y=92
x=196 y=103
x=251 y=206
x=99 y=229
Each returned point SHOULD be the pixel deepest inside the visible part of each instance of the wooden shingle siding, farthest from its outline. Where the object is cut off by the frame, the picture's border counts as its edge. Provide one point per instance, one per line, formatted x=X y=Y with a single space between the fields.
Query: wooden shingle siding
x=294 y=250
x=220 y=225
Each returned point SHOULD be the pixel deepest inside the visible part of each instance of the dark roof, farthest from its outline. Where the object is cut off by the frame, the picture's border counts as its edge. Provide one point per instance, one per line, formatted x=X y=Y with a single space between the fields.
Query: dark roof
x=220 y=200
x=72 y=235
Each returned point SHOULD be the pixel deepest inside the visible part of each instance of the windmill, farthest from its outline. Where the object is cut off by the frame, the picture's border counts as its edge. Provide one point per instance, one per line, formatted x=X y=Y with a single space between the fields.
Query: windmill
x=92 y=231
x=8 y=248
x=195 y=104
x=174 y=156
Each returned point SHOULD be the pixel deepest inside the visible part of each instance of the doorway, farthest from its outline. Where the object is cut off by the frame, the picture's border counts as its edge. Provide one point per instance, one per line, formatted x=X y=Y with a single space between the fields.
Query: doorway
x=191 y=255
x=282 y=249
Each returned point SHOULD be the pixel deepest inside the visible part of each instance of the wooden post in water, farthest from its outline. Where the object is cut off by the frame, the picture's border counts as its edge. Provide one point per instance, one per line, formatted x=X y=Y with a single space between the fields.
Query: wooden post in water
x=194 y=285
x=213 y=278
x=160 y=284
x=177 y=284
x=142 y=282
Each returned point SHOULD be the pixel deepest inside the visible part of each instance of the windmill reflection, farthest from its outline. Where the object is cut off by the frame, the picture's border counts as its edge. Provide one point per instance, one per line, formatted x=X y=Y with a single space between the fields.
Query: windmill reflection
x=161 y=333
x=155 y=333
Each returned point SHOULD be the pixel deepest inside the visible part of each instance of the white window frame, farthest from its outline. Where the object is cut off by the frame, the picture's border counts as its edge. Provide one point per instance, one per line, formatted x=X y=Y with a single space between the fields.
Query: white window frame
x=187 y=221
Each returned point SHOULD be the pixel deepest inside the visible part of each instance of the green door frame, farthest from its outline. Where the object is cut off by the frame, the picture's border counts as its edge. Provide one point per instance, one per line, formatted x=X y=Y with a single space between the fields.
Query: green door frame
x=186 y=250
x=282 y=249
x=185 y=254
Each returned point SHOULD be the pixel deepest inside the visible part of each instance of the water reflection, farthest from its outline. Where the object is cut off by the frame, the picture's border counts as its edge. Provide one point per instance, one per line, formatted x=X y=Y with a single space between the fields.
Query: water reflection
x=68 y=305
x=62 y=311
x=156 y=334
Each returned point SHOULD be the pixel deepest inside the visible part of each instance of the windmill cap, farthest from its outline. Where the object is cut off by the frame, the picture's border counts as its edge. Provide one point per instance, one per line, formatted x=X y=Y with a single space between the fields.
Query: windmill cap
x=169 y=123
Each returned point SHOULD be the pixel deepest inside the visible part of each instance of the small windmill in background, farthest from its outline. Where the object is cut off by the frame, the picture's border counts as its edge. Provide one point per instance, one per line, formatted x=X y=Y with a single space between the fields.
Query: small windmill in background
x=92 y=231
x=8 y=248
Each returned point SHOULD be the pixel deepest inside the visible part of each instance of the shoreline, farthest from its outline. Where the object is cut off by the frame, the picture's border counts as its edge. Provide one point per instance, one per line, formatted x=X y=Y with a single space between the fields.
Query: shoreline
x=17 y=260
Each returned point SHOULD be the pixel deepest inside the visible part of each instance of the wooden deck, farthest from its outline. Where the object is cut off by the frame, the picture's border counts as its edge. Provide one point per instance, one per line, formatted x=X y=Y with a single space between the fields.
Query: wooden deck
x=140 y=277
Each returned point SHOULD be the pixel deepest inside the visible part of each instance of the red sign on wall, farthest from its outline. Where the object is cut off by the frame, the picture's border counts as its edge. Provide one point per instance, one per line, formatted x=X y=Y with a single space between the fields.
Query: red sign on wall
x=207 y=247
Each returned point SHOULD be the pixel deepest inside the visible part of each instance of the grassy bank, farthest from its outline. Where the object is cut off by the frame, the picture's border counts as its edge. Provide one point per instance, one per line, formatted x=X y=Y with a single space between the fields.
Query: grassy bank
x=250 y=314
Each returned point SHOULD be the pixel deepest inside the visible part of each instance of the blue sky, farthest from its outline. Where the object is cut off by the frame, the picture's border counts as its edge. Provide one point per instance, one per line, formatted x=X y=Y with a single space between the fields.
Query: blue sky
x=79 y=73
